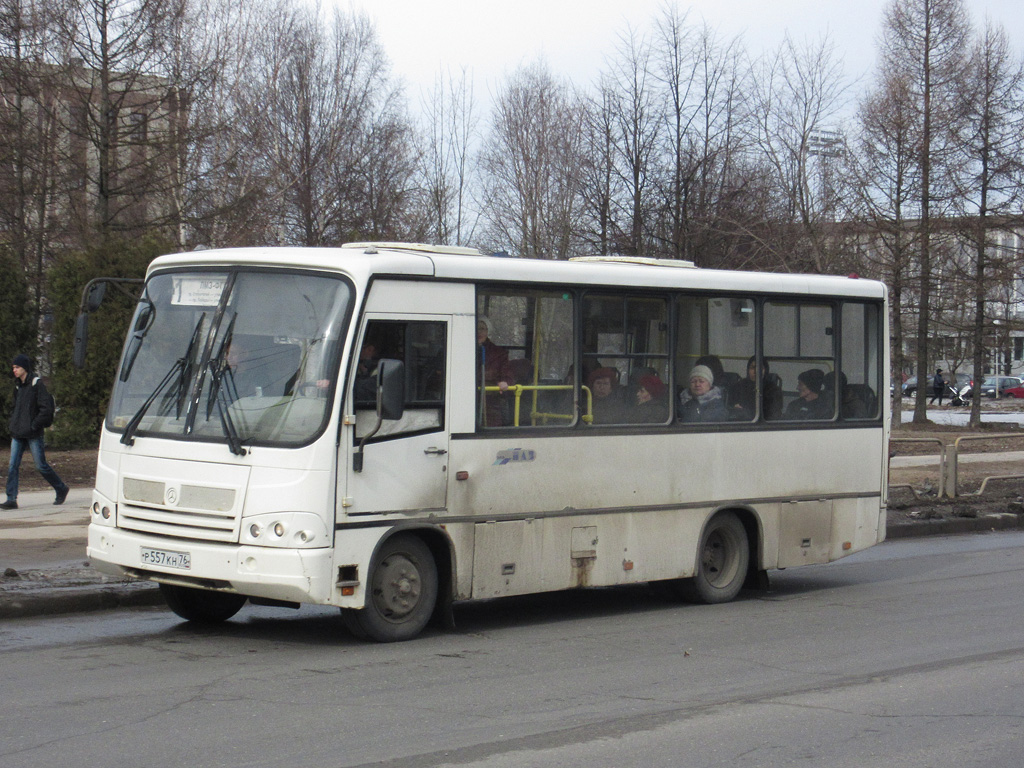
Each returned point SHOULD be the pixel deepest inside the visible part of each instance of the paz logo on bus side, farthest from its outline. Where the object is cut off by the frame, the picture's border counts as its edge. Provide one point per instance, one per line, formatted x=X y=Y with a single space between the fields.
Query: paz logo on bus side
x=516 y=454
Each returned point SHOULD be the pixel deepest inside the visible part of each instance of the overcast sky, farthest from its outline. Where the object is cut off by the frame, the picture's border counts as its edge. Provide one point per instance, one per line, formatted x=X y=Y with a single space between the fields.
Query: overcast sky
x=493 y=37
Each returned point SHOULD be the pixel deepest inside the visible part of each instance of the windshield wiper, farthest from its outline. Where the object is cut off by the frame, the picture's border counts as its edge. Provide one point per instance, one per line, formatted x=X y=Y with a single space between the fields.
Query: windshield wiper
x=182 y=366
x=219 y=367
x=228 y=423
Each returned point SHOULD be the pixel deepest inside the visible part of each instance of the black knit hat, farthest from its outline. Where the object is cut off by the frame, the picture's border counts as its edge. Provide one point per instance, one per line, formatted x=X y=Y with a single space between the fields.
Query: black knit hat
x=813 y=379
x=23 y=361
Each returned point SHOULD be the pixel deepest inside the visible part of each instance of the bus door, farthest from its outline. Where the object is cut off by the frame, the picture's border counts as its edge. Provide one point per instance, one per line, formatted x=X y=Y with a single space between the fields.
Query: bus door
x=405 y=464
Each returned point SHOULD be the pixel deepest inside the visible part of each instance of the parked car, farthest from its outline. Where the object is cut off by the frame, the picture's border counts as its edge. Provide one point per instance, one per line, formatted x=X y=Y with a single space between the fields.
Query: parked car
x=1015 y=392
x=910 y=386
x=993 y=386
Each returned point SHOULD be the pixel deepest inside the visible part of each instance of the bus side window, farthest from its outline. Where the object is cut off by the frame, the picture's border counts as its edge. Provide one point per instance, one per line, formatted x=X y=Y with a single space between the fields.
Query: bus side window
x=422 y=347
x=625 y=358
x=524 y=346
x=799 y=347
x=861 y=373
x=715 y=337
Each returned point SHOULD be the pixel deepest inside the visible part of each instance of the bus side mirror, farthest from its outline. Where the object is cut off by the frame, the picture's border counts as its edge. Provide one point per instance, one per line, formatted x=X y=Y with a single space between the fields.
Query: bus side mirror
x=390 y=389
x=390 y=402
x=81 y=339
x=94 y=296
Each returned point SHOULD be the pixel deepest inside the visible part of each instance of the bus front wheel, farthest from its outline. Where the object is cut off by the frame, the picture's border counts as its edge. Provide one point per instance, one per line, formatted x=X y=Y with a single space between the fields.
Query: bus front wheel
x=400 y=595
x=201 y=606
x=723 y=557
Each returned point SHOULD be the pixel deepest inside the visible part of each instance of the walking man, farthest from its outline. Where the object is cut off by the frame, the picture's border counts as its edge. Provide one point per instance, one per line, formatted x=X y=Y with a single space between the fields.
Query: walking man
x=938 y=386
x=32 y=413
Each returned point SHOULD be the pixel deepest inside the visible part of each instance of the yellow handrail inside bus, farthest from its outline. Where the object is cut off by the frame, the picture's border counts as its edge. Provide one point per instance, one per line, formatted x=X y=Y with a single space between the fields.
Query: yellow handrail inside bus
x=518 y=389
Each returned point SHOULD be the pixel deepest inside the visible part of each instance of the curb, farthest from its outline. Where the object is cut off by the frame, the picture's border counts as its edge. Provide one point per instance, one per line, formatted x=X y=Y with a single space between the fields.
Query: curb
x=54 y=600
x=948 y=526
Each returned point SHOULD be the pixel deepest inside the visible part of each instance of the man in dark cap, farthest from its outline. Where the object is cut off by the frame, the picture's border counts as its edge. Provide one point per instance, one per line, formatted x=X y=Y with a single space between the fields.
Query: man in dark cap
x=809 y=403
x=31 y=414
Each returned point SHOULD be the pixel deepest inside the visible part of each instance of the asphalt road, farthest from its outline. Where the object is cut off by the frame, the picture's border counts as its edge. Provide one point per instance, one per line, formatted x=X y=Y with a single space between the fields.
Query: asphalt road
x=909 y=654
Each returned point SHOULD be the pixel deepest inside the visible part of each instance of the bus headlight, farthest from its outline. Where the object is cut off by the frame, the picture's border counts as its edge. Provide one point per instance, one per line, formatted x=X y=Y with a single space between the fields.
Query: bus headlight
x=285 y=529
x=103 y=511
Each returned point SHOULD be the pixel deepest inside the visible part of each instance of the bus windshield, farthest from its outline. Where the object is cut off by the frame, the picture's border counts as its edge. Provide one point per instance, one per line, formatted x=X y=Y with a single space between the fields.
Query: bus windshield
x=246 y=357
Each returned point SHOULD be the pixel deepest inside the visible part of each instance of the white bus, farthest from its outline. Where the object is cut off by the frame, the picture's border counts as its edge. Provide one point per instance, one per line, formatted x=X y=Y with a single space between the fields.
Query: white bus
x=391 y=428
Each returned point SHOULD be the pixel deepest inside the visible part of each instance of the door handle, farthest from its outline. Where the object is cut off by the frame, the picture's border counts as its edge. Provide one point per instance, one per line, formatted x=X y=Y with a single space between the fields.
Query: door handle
x=435 y=451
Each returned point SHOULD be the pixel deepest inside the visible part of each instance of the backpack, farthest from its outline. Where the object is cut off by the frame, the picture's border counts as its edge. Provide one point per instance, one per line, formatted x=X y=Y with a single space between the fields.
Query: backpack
x=49 y=400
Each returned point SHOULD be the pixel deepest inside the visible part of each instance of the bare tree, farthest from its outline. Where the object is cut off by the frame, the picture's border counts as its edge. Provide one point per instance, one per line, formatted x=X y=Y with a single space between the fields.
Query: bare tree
x=217 y=184
x=799 y=93
x=122 y=109
x=990 y=184
x=703 y=86
x=532 y=163
x=884 y=163
x=29 y=171
x=923 y=43
x=599 y=183
x=319 y=103
x=638 y=119
x=451 y=130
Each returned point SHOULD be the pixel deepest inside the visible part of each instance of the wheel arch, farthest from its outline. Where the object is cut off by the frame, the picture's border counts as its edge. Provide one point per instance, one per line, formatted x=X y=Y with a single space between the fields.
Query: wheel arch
x=754 y=528
x=442 y=549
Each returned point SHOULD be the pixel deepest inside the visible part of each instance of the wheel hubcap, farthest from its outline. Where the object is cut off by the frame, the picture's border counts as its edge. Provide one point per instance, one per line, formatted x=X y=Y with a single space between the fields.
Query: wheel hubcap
x=398 y=587
x=717 y=560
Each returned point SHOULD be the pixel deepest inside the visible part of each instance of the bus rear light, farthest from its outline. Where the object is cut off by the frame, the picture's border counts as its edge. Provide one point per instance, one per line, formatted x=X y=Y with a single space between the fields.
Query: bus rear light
x=462 y=475
x=348 y=591
x=305 y=536
x=847 y=546
x=279 y=529
x=255 y=530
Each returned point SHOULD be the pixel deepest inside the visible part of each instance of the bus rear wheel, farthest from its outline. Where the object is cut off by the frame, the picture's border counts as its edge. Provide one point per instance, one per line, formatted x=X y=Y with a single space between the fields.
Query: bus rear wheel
x=201 y=606
x=400 y=595
x=723 y=557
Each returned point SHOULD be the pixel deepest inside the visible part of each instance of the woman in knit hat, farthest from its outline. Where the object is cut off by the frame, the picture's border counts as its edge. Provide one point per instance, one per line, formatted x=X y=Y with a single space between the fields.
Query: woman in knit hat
x=606 y=401
x=651 y=403
x=702 y=400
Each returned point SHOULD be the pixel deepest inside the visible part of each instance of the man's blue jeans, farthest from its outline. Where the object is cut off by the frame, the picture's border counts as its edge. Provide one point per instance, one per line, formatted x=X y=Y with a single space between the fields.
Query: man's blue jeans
x=35 y=445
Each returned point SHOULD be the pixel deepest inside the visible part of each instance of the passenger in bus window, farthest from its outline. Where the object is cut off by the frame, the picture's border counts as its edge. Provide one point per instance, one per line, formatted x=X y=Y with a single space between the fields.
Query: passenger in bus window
x=366 y=376
x=852 y=402
x=651 y=400
x=714 y=363
x=606 y=397
x=497 y=371
x=809 y=403
x=743 y=394
x=702 y=400
x=248 y=374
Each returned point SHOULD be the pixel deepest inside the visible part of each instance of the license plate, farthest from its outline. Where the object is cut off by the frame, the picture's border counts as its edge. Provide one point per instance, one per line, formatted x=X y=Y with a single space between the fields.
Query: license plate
x=166 y=558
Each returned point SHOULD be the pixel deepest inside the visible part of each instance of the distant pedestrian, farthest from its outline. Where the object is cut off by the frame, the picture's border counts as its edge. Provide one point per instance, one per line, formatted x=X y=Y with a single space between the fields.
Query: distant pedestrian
x=31 y=414
x=938 y=386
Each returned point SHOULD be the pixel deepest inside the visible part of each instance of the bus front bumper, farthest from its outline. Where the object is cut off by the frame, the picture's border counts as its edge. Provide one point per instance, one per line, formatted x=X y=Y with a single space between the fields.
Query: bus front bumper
x=290 y=575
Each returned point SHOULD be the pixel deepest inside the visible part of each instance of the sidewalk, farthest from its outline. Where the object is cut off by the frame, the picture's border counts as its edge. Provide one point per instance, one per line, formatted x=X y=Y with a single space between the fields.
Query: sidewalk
x=43 y=566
